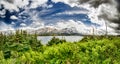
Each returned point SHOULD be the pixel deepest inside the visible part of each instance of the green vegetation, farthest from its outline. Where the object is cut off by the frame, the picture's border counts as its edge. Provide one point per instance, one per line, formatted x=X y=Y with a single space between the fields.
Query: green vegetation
x=55 y=41
x=23 y=48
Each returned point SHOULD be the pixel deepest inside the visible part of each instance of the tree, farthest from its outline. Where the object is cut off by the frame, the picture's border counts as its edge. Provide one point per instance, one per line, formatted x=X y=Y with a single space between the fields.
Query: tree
x=55 y=40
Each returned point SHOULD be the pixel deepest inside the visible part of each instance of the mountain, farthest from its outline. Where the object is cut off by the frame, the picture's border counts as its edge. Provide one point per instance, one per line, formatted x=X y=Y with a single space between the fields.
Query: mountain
x=52 y=31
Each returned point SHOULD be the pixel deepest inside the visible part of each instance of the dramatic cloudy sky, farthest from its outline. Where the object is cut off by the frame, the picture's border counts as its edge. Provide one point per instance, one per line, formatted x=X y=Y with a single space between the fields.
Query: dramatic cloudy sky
x=84 y=15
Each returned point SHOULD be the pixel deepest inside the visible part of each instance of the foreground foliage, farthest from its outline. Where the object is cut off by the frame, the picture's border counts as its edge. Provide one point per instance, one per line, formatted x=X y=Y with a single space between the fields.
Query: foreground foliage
x=23 y=48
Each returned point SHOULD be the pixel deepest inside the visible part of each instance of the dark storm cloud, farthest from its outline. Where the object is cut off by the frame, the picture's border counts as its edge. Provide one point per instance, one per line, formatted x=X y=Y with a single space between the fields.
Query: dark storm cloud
x=118 y=7
x=95 y=3
x=106 y=13
x=10 y=1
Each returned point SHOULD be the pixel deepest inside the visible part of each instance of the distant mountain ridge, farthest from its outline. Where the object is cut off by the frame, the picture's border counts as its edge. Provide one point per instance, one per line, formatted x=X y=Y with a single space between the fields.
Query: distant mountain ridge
x=52 y=31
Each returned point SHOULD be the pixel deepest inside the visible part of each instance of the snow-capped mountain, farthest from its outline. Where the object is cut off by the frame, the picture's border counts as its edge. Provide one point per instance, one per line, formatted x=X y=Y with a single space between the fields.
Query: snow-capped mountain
x=49 y=30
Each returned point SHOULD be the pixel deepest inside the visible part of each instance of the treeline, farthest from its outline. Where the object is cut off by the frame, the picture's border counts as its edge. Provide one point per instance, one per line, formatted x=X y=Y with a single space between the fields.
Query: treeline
x=60 y=34
x=24 y=48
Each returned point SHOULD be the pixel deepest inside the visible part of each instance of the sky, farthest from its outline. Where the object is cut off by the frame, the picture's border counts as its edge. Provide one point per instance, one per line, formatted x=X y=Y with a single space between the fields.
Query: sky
x=83 y=15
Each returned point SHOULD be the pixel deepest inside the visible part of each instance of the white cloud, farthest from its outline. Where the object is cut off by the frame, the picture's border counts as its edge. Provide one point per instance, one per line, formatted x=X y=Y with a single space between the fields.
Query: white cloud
x=80 y=27
x=21 y=3
x=65 y=1
x=37 y=22
x=2 y=12
x=72 y=3
x=37 y=3
x=9 y=6
x=5 y=27
x=13 y=17
x=13 y=23
x=114 y=25
x=72 y=12
x=23 y=25
x=49 y=6
x=84 y=29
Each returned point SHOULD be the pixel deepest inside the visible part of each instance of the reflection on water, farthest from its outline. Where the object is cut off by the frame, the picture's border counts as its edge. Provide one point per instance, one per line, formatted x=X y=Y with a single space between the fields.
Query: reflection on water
x=45 y=39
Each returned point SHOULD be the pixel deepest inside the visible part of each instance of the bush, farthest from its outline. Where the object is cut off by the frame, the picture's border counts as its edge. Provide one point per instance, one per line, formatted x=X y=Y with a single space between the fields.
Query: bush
x=23 y=48
x=55 y=41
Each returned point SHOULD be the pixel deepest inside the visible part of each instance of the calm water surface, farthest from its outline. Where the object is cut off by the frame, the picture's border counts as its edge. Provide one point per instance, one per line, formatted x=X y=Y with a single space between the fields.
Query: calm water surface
x=45 y=39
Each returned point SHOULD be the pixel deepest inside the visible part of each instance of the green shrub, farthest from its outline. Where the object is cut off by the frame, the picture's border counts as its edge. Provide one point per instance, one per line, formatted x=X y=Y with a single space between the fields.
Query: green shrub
x=55 y=40
x=23 y=48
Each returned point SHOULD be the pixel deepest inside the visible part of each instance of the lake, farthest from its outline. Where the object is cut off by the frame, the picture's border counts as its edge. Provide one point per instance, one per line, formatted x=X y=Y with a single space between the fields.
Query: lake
x=45 y=39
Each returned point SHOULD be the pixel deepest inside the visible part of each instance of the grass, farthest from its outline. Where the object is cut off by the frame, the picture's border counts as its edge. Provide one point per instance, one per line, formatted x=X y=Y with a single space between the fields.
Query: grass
x=23 y=48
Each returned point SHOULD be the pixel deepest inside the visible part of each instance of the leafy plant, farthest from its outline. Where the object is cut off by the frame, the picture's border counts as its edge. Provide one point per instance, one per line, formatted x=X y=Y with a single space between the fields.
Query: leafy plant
x=24 y=48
